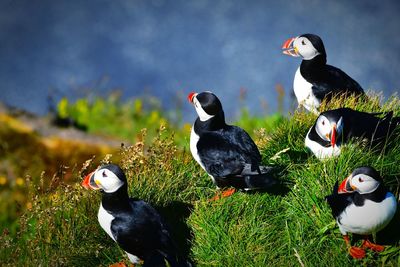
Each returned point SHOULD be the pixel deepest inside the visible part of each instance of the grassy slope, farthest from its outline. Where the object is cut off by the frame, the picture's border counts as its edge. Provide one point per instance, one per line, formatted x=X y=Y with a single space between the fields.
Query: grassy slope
x=243 y=230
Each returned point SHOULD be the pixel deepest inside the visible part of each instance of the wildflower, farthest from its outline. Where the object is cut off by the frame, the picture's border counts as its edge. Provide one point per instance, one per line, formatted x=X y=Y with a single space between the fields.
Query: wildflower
x=3 y=180
x=19 y=181
x=28 y=205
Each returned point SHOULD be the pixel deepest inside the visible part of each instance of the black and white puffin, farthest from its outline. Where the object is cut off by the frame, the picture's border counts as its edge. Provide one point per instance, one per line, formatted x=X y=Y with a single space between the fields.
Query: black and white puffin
x=362 y=205
x=314 y=79
x=227 y=153
x=336 y=127
x=133 y=224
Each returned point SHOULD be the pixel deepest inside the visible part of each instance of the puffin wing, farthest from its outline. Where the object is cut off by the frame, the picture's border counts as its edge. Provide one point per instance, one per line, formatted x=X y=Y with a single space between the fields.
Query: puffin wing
x=333 y=80
x=375 y=127
x=221 y=155
x=142 y=232
x=247 y=146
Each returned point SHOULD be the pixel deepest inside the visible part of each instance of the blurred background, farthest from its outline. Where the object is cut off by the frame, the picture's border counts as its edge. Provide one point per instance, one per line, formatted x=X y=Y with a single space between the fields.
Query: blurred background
x=78 y=78
x=74 y=49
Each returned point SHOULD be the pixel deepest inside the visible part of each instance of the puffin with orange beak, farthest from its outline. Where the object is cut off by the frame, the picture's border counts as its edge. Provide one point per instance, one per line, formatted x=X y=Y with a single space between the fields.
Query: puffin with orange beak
x=314 y=79
x=362 y=205
x=226 y=152
x=334 y=128
x=133 y=224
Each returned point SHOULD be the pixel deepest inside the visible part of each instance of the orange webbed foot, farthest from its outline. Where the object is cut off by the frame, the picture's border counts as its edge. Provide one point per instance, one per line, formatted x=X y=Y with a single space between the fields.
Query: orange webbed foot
x=225 y=193
x=121 y=264
x=118 y=264
x=372 y=246
x=356 y=252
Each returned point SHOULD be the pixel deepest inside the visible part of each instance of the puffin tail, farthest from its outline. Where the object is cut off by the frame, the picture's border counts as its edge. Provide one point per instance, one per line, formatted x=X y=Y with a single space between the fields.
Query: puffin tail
x=163 y=259
x=178 y=262
x=259 y=179
x=396 y=121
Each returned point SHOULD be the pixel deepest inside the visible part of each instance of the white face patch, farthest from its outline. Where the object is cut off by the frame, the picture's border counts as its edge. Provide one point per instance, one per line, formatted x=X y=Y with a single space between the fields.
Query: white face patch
x=305 y=48
x=204 y=116
x=107 y=180
x=364 y=184
x=323 y=128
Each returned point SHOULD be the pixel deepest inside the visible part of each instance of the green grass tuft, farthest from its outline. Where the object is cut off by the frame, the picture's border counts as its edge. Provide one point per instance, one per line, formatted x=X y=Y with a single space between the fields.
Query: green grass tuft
x=258 y=229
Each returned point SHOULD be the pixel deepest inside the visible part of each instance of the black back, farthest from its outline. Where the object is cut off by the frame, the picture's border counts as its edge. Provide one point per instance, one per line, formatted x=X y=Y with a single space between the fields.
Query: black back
x=226 y=151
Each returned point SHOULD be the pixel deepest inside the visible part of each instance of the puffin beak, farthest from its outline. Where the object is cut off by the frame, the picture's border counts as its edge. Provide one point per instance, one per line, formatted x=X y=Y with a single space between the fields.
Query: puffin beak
x=289 y=49
x=345 y=186
x=191 y=96
x=333 y=135
x=89 y=182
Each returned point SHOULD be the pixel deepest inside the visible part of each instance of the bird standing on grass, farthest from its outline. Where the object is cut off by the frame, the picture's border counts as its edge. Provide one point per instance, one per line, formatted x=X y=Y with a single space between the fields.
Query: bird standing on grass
x=227 y=153
x=133 y=224
x=362 y=205
x=334 y=128
x=314 y=79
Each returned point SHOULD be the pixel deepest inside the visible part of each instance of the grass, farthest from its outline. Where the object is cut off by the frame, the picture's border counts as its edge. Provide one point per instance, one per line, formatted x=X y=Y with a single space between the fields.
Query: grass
x=259 y=229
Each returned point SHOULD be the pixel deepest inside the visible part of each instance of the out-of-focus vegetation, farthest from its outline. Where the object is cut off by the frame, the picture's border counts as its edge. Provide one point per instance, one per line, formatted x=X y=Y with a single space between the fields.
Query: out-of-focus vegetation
x=113 y=117
x=26 y=155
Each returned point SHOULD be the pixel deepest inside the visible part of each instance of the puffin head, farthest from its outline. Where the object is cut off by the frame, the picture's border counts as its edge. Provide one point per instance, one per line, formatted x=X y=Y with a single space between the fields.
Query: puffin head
x=329 y=128
x=306 y=46
x=363 y=180
x=108 y=178
x=207 y=104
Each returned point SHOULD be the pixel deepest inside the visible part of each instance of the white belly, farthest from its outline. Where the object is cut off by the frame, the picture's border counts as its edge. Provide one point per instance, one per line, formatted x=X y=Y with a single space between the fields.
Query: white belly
x=369 y=218
x=319 y=151
x=133 y=258
x=302 y=90
x=194 y=138
x=105 y=220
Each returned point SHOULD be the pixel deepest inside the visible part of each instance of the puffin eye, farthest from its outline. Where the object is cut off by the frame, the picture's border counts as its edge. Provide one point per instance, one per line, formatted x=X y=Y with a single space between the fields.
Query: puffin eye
x=323 y=122
x=104 y=174
x=303 y=43
x=360 y=180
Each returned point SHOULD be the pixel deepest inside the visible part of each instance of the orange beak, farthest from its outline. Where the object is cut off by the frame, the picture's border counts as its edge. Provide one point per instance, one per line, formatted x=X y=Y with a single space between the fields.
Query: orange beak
x=289 y=49
x=89 y=182
x=191 y=96
x=345 y=186
x=333 y=135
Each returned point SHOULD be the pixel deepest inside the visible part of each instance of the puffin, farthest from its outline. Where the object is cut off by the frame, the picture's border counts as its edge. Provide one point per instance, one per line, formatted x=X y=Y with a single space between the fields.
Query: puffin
x=334 y=128
x=314 y=80
x=133 y=224
x=226 y=152
x=362 y=205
